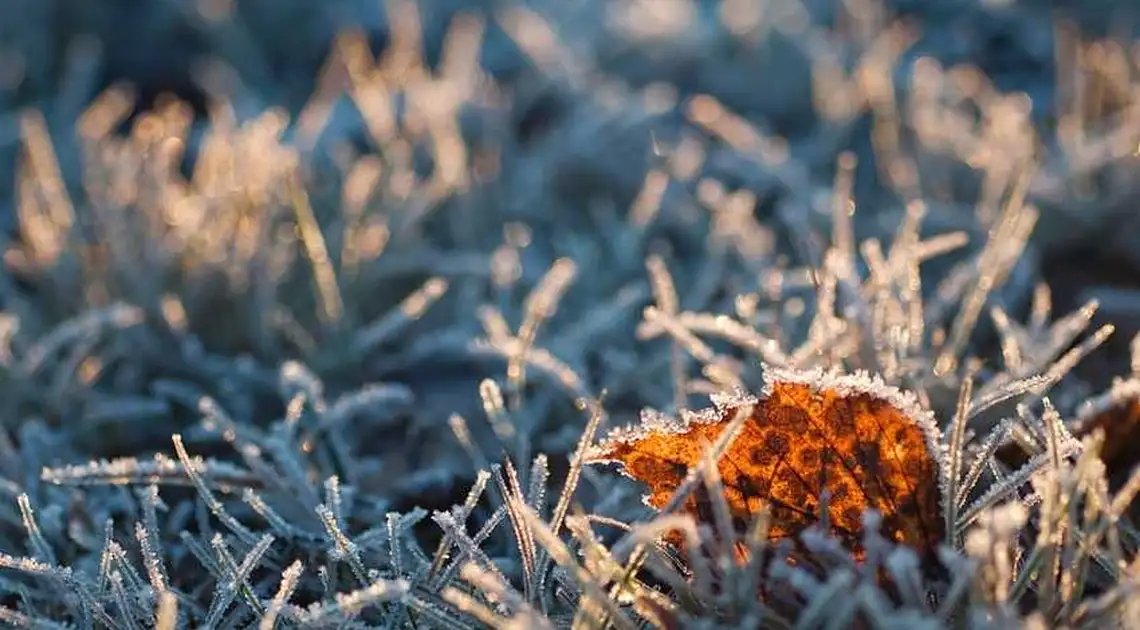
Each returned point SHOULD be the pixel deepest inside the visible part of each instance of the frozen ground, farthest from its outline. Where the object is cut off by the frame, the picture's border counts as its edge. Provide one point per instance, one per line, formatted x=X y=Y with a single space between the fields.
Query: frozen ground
x=412 y=231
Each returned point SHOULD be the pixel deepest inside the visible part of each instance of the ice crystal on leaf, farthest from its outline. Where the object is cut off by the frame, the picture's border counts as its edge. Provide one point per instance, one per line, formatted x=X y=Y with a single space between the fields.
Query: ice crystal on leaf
x=866 y=445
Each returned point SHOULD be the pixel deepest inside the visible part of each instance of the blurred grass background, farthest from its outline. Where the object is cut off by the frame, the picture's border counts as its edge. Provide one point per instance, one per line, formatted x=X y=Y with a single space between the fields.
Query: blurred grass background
x=774 y=63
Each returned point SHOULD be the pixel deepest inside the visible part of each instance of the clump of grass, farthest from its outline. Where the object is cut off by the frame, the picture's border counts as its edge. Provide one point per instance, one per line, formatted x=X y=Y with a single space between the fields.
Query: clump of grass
x=265 y=371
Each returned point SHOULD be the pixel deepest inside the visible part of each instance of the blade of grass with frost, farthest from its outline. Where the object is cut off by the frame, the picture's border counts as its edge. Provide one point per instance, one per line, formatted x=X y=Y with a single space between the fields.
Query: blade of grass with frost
x=1002 y=249
x=44 y=167
x=291 y=464
x=296 y=379
x=166 y=613
x=67 y=579
x=592 y=588
x=665 y=296
x=951 y=471
x=494 y=406
x=215 y=506
x=349 y=605
x=290 y=578
x=496 y=590
x=403 y=531
x=149 y=538
x=682 y=335
x=1060 y=494
x=121 y=564
x=981 y=458
x=540 y=304
x=1085 y=534
x=510 y=497
x=1033 y=349
x=647 y=536
x=1109 y=527
x=41 y=550
x=124 y=605
x=248 y=441
x=343 y=547
x=334 y=500
x=90 y=324
x=696 y=577
x=468 y=605
x=200 y=550
x=539 y=359
x=215 y=474
x=1069 y=360
x=537 y=482
x=236 y=580
x=595 y=554
x=722 y=523
x=434 y=613
x=106 y=556
x=1059 y=444
x=721 y=327
x=570 y=485
x=842 y=256
x=462 y=432
x=599 y=562
x=395 y=552
x=822 y=601
x=1051 y=533
x=905 y=569
x=993 y=396
x=382 y=329
x=366 y=398
x=470 y=547
x=463 y=513
x=911 y=289
x=598 y=322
